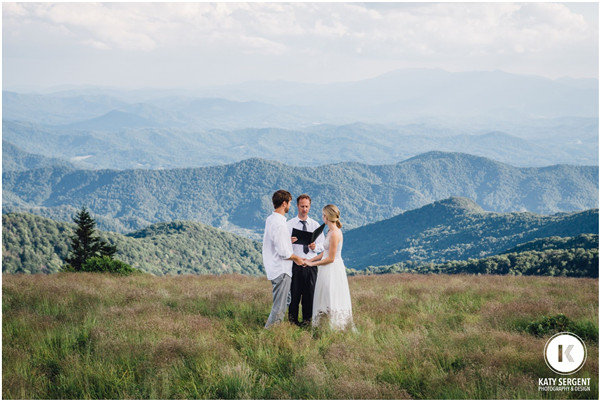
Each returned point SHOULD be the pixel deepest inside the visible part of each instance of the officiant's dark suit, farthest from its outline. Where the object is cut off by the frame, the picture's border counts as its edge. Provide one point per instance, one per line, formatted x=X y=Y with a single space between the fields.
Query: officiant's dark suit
x=304 y=277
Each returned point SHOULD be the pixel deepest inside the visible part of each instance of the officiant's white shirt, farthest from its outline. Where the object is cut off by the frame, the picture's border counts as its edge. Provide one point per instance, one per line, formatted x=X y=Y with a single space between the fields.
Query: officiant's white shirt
x=311 y=225
x=277 y=247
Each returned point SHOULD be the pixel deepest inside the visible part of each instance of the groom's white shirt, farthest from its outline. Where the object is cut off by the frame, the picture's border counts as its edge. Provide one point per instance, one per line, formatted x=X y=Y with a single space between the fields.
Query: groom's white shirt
x=311 y=225
x=277 y=247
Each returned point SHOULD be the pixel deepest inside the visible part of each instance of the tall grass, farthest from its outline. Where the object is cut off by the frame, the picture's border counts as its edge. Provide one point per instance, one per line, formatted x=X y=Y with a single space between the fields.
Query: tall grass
x=87 y=336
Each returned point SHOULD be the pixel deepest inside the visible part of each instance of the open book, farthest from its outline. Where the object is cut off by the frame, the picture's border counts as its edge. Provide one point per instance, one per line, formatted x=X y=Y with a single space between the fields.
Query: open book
x=307 y=237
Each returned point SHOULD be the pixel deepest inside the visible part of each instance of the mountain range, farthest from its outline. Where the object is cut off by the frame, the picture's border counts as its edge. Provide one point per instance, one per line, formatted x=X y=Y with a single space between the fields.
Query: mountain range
x=452 y=229
x=427 y=166
x=15 y=159
x=455 y=229
x=399 y=96
x=526 y=121
x=237 y=197
x=412 y=94
x=124 y=143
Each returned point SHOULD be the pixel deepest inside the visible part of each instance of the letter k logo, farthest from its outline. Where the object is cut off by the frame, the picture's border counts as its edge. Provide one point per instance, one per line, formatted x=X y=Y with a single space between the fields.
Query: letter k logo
x=567 y=353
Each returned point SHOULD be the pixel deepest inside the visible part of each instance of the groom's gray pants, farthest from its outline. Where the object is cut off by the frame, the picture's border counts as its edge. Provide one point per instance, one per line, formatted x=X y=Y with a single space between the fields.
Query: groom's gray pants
x=281 y=289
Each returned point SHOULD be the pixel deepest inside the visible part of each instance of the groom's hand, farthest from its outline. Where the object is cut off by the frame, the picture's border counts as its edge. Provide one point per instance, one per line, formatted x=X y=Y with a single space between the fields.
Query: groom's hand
x=312 y=246
x=294 y=239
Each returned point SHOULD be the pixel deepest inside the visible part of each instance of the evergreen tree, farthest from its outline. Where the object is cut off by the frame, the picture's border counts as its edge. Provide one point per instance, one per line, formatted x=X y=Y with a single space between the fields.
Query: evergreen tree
x=84 y=244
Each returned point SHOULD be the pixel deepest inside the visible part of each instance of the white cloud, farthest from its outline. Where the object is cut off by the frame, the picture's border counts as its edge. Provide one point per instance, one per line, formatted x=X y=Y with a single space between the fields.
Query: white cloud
x=388 y=35
x=262 y=45
x=96 y=44
x=146 y=26
x=14 y=9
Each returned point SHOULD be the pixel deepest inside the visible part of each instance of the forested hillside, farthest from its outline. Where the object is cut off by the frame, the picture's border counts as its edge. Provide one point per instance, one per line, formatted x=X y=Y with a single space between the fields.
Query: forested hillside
x=570 y=262
x=237 y=197
x=15 y=159
x=452 y=229
x=122 y=140
x=583 y=241
x=455 y=229
x=33 y=244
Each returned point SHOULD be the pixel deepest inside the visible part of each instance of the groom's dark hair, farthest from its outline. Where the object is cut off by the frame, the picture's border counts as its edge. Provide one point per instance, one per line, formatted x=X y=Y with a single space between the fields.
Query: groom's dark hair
x=281 y=196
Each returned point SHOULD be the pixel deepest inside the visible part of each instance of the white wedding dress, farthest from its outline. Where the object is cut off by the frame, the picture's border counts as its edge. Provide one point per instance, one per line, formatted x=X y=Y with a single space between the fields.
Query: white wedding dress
x=332 y=294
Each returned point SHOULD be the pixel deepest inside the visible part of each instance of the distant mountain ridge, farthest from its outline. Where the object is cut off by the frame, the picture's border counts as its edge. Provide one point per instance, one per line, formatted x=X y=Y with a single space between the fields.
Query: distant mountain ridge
x=237 y=197
x=410 y=94
x=15 y=159
x=455 y=229
x=113 y=120
x=398 y=96
x=517 y=119
x=144 y=138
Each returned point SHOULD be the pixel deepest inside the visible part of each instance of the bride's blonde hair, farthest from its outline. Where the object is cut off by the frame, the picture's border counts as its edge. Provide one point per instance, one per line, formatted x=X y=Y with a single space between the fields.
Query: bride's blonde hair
x=333 y=214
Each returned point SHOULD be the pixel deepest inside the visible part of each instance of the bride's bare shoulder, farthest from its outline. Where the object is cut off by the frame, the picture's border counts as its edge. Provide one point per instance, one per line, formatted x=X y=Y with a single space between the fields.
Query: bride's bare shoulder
x=337 y=234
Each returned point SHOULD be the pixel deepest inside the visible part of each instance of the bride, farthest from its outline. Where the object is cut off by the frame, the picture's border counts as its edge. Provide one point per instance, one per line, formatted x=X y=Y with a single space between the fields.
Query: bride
x=332 y=294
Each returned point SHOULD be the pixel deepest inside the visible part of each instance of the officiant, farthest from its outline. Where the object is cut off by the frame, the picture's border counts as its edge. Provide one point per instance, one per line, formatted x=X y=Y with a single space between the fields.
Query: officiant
x=304 y=277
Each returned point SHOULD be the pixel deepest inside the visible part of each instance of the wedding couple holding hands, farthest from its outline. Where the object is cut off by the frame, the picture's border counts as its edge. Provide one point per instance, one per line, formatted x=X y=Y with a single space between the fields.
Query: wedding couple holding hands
x=315 y=272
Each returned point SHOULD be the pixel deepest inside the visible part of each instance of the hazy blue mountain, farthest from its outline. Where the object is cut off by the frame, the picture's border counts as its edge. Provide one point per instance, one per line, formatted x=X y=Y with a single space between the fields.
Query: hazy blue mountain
x=401 y=96
x=33 y=244
x=516 y=119
x=410 y=94
x=455 y=229
x=114 y=120
x=132 y=148
x=14 y=159
x=168 y=146
x=220 y=113
x=109 y=112
x=237 y=197
x=56 y=109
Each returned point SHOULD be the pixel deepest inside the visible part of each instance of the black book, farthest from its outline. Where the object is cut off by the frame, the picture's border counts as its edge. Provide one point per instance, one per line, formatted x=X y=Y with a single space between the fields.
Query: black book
x=307 y=237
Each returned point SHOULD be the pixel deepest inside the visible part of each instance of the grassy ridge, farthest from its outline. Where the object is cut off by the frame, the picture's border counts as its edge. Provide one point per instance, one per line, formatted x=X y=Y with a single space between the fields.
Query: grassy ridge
x=419 y=336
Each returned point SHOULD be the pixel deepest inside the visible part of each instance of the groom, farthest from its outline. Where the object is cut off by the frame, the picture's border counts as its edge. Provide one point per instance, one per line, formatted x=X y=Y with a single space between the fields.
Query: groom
x=278 y=255
x=304 y=277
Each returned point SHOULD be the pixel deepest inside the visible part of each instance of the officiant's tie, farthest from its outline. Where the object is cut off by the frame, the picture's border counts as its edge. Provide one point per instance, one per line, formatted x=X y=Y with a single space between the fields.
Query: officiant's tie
x=305 y=247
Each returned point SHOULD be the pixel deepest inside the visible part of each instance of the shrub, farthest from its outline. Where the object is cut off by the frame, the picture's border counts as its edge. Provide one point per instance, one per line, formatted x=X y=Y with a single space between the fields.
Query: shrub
x=549 y=325
x=106 y=264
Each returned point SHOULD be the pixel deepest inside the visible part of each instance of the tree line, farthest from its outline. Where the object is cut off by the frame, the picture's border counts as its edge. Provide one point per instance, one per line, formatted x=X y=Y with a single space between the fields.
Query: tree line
x=576 y=262
x=33 y=244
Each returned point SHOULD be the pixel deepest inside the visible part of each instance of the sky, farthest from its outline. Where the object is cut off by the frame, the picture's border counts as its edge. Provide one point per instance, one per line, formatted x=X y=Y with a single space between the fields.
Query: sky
x=178 y=45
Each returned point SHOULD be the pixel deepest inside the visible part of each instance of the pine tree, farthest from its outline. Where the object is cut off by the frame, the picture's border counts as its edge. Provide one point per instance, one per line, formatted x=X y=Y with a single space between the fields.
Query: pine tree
x=85 y=245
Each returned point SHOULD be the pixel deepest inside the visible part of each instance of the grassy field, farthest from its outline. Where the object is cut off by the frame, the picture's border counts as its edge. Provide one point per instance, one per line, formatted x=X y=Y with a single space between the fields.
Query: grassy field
x=84 y=335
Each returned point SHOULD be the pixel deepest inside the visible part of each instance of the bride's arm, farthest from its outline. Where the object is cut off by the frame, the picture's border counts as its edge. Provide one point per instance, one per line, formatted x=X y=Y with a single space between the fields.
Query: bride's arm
x=318 y=257
x=333 y=244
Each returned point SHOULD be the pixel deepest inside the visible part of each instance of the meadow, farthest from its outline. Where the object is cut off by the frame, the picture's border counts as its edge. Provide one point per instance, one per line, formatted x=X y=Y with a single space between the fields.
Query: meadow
x=99 y=336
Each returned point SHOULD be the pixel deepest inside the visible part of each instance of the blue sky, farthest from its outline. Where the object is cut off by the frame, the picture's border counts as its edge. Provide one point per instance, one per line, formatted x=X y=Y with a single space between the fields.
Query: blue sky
x=167 y=45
